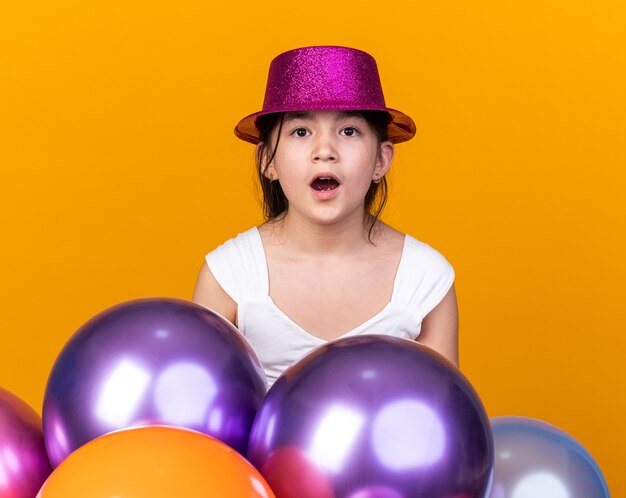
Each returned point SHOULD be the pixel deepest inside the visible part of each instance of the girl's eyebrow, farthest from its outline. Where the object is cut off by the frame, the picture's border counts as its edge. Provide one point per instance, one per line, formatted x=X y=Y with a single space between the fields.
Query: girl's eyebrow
x=299 y=115
x=349 y=114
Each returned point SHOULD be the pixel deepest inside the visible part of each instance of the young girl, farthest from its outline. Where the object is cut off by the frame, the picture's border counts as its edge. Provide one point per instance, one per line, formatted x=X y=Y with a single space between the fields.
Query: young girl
x=323 y=266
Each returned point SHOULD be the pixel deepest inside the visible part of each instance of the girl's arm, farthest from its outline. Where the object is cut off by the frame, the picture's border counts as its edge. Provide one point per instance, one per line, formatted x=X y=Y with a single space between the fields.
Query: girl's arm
x=210 y=294
x=440 y=328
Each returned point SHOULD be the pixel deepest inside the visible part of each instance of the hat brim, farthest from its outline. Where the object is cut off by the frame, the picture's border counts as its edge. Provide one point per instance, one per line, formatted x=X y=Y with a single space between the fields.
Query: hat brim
x=401 y=128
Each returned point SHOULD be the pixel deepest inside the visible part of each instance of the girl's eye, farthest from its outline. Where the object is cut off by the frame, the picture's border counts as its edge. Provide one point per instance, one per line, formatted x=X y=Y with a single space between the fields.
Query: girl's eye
x=300 y=132
x=349 y=131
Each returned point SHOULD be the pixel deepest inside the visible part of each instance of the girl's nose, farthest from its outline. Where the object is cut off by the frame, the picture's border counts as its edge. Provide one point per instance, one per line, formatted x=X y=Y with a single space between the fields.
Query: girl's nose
x=324 y=150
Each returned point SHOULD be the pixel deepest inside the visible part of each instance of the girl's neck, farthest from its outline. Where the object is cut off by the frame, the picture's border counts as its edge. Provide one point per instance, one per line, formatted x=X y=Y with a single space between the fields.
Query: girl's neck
x=316 y=239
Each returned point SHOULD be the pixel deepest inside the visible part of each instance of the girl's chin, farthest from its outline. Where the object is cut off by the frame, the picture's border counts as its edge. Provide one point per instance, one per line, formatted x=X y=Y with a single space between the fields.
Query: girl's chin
x=330 y=217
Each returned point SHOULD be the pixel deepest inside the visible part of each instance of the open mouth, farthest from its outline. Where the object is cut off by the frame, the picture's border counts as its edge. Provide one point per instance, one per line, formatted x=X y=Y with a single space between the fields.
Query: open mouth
x=324 y=183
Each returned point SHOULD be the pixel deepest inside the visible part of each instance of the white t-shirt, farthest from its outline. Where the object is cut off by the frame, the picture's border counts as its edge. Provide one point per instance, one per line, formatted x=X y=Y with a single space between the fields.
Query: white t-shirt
x=240 y=267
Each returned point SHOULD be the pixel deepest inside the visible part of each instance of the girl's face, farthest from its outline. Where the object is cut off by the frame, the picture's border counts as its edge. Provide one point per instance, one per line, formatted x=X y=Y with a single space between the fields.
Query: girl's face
x=326 y=161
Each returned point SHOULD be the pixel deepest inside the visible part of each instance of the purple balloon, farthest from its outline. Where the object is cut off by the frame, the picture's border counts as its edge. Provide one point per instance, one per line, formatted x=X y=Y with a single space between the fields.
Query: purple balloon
x=373 y=417
x=152 y=362
x=24 y=465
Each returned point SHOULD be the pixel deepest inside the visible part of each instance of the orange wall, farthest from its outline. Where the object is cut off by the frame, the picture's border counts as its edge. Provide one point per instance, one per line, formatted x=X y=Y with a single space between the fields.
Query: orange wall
x=119 y=170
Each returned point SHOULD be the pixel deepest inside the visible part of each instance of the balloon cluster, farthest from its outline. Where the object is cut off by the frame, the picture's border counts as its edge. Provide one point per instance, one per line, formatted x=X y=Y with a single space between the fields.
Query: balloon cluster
x=166 y=366
x=163 y=397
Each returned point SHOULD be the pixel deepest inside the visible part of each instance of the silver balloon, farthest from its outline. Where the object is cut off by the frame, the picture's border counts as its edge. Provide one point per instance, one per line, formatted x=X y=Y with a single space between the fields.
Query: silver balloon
x=534 y=459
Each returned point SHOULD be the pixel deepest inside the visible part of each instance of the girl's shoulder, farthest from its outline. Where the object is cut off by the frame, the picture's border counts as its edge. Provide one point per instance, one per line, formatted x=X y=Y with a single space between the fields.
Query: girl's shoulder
x=384 y=234
x=416 y=253
x=238 y=265
x=386 y=241
x=241 y=241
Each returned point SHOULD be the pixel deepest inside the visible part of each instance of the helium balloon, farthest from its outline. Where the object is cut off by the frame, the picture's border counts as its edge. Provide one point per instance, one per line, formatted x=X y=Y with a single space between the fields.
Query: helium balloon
x=147 y=362
x=155 y=462
x=288 y=461
x=534 y=459
x=373 y=417
x=24 y=465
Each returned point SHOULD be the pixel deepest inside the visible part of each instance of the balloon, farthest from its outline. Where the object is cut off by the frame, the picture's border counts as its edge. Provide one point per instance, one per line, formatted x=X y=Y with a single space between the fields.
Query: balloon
x=373 y=417
x=24 y=464
x=288 y=461
x=155 y=462
x=147 y=362
x=534 y=459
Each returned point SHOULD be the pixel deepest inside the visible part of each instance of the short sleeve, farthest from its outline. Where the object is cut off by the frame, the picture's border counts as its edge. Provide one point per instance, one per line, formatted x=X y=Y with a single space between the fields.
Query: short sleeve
x=424 y=277
x=239 y=266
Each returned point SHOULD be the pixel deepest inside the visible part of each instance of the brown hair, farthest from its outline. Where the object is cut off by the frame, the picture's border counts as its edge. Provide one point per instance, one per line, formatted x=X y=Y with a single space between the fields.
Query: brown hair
x=274 y=200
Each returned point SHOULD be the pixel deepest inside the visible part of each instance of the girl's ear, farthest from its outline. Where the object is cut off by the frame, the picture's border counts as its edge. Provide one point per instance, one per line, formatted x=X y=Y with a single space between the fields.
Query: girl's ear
x=267 y=170
x=385 y=158
x=270 y=174
x=260 y=148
